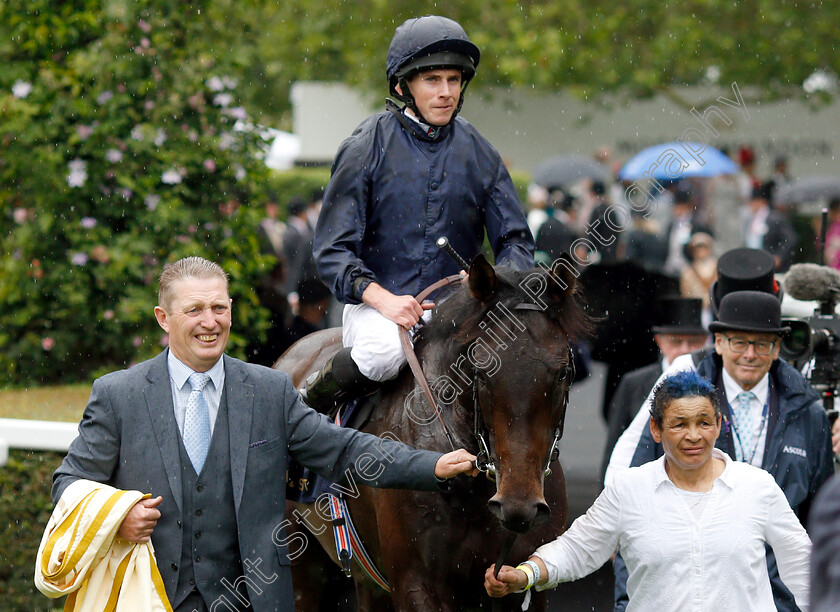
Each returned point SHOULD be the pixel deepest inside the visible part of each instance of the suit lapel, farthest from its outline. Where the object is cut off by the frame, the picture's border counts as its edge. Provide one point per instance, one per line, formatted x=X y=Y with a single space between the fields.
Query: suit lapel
x=240 y=398
x=158 y=396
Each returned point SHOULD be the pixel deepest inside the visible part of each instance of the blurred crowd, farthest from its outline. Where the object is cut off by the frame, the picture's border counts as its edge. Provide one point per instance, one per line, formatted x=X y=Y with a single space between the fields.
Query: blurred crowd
x=693 y=221
x=298 y=300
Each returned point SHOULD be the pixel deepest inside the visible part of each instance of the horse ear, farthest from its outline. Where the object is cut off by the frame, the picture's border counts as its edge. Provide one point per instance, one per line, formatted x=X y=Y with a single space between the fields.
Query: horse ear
x=564 y=273
x=482 y=279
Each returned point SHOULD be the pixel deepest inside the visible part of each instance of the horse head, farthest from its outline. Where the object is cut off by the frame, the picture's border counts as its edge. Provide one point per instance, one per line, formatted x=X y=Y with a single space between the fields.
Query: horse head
x=506 y=341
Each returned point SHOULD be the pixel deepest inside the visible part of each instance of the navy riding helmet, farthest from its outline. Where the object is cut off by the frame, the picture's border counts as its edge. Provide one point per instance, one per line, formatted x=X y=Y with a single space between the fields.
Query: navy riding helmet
x=427 y=43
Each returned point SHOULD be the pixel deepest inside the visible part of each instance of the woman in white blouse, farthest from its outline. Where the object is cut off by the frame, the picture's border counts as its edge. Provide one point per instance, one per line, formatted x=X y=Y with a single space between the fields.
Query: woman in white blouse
x=691 y=525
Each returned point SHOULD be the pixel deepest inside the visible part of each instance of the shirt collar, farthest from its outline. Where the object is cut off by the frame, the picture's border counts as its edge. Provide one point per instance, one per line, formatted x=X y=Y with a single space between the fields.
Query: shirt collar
x=732 y=388
x=410 y=114
x=180 y=372
x=661 y=476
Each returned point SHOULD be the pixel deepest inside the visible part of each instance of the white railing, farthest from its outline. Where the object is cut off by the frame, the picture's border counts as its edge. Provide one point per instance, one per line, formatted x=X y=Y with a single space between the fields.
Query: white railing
x=35 y=435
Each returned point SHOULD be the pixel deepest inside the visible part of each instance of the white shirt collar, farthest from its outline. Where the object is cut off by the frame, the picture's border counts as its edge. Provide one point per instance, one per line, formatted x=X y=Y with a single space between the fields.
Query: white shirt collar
x=410 y=114
x=180 y=372
x=661 y=476
x=732 y=388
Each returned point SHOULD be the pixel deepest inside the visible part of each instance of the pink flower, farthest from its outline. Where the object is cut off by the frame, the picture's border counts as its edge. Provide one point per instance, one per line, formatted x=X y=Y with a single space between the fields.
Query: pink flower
x=209 y=165
x=108 y=315
x=84 y=131
x=47 y=343
x=79 y=259
x=171 y=177
x=20 y=215
x=113 y=155
x=137 y=341
x=104 y=97
x=144 y=26
x=21 y=89
x=152 y=200
x=88 y=222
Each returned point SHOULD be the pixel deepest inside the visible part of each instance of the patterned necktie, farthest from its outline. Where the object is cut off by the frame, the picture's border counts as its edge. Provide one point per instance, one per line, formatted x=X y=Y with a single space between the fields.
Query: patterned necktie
x=744 y=424
x=197 y=422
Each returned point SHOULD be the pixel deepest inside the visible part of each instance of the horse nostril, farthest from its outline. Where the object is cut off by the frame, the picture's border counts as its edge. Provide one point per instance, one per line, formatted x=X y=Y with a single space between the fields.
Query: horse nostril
x=543 y=513
x=495 y=507
x=519 y=517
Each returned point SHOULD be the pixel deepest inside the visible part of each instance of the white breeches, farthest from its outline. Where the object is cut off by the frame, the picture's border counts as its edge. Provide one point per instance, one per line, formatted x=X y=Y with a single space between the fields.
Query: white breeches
x=375 y=340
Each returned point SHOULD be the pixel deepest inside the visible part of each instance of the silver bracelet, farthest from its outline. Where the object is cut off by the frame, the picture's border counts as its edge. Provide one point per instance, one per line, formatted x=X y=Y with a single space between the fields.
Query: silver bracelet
x=536 y=569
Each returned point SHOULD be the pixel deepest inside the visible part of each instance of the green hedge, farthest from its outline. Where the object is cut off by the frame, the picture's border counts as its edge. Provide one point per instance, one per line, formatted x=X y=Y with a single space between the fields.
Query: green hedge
x=25 y=508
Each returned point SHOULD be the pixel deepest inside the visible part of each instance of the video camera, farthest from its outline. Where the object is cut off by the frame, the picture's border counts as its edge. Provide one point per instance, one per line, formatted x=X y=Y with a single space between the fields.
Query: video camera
x=815 y=341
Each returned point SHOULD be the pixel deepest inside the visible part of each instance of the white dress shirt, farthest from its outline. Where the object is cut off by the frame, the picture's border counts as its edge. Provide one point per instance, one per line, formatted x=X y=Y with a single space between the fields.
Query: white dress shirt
x=179 y=373
x=677 y=561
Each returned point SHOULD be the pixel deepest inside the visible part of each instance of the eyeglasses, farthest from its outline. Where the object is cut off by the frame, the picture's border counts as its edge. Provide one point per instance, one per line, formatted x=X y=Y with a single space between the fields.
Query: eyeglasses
x=762 y=347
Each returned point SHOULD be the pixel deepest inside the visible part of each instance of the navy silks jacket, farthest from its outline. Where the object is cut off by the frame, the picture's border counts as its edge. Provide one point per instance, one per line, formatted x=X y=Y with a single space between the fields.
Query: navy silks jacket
x=395 y=189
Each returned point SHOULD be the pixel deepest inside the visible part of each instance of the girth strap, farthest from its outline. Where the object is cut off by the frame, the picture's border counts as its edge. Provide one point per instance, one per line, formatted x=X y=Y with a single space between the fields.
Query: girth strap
x=348 y=544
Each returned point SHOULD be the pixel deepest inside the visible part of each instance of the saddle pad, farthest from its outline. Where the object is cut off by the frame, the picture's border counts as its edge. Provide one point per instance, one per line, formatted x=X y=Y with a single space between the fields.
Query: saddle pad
x=305 y=486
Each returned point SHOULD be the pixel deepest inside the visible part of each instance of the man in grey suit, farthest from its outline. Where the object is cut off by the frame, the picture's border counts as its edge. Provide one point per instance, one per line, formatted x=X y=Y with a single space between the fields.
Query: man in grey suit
x=210 y=437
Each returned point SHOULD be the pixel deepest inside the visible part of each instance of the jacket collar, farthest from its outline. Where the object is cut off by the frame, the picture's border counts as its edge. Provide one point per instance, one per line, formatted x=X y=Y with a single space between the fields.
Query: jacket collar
x=419 y=130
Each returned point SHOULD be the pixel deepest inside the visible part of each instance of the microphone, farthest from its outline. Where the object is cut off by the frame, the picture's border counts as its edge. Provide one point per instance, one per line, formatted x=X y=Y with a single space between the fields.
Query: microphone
x=812 y=283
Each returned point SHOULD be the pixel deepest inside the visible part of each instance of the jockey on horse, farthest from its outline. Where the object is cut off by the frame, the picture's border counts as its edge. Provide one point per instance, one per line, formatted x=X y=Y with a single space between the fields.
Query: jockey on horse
x=406 y=176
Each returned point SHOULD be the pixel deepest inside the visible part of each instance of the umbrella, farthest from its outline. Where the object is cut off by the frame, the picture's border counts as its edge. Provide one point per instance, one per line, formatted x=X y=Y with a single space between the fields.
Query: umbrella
x=809 y=189
x=674 y=160
x=568 y=169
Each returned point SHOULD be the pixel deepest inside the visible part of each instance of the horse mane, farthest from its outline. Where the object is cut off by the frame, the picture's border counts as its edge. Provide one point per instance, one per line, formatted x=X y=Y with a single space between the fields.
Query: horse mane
x=458 y=315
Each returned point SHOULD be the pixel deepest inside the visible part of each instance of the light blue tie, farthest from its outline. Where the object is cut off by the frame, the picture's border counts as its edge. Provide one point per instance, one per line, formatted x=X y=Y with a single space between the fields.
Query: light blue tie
x=744 y=424
x=197 y=422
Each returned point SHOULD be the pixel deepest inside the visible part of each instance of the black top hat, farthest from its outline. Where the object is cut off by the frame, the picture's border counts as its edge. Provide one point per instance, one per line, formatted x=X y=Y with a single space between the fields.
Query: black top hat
x=680 y=315
x=749 y=311
x=744 y=269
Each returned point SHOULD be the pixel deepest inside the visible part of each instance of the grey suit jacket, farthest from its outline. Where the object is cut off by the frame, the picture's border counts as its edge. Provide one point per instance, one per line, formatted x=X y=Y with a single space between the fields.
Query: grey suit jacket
x=128 y=438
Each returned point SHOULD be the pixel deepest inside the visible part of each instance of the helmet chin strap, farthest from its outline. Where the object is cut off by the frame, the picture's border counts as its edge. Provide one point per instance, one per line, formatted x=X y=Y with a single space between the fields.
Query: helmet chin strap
x=408 y=99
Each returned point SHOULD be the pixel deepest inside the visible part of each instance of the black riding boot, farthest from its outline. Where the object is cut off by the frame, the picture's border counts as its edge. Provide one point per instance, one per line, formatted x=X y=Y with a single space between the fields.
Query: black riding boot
x=335 y=383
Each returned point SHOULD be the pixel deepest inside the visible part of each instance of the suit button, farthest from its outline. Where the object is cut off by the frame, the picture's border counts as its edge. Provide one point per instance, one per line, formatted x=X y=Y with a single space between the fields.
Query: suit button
x=192 y=582
x=198 y=558
x=426 y=259
x=198 y=512
x=179 y=524
x=174 y=567
x=434 y=186
x=199 y=488
x=197 y=534
x=432 y=148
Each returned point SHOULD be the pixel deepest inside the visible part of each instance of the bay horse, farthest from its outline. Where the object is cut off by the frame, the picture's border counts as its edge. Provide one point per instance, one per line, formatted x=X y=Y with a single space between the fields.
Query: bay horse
x=497 y=356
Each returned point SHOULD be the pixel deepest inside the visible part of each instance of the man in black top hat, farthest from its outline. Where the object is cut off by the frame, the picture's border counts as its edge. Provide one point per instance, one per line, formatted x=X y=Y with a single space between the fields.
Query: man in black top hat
x=680 y=331
x=738 y=270
x=772 y=417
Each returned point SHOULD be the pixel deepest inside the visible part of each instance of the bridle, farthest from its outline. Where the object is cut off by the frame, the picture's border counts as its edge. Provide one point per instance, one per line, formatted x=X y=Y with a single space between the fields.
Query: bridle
x=484 y=459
